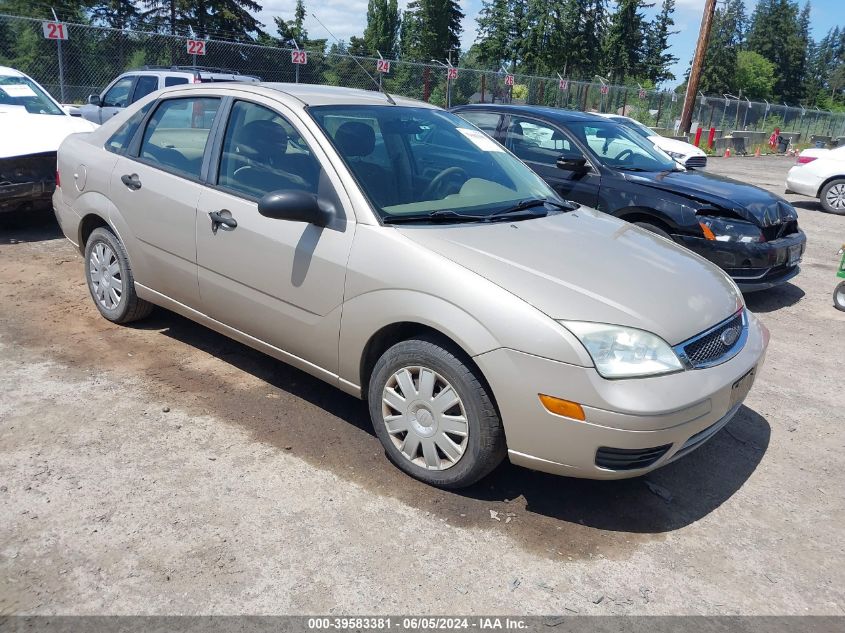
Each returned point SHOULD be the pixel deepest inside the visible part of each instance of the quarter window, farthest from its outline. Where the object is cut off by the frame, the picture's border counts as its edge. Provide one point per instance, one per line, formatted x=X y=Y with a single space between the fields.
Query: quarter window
x=176 y=135
x=263 y=152
x=174 y=81
x=118 y=95
x=119 y=141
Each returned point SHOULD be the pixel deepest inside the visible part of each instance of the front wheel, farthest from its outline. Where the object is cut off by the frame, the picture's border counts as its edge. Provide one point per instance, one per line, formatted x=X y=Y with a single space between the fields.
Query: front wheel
x=839 y=296
x=832 y=196
x=434 y=415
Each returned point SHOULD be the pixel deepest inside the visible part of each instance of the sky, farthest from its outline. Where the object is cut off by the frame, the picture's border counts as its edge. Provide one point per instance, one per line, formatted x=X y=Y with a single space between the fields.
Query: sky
x=345 y=18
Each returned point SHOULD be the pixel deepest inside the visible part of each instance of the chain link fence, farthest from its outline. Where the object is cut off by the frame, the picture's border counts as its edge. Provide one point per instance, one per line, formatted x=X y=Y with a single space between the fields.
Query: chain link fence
x=92 y=56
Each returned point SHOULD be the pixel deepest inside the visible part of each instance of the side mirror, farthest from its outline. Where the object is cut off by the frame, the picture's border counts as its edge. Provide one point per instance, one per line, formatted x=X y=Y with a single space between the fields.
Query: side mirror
x=94 y=100
x=572 y=163
x=297 y=206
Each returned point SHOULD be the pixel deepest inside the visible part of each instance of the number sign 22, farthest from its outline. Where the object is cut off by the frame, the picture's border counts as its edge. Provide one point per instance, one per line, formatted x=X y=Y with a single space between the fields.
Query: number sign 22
x=196 y=47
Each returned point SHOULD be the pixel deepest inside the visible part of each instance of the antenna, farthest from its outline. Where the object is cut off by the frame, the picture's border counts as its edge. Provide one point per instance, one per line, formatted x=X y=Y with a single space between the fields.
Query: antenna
x=355 y=59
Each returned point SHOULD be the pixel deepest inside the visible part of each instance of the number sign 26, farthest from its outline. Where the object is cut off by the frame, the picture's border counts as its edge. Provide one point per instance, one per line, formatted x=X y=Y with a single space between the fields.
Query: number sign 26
x=196 y=47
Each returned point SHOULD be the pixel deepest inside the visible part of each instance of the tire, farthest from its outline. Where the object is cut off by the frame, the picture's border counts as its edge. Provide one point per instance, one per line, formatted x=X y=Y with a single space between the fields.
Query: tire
x=654 y=229
x=832 y=196
x=839 y=296
x=112 y=288
x=427 y=362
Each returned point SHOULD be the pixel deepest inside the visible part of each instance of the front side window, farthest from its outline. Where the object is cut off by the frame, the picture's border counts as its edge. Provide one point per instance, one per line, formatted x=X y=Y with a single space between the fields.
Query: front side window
x=146 y=84
x=119 y=141
x=23 y=94
x=618 y=147
x=177 y=132
x=538 y=142
x=118 y=95
x=437 y=161
x=263 y=152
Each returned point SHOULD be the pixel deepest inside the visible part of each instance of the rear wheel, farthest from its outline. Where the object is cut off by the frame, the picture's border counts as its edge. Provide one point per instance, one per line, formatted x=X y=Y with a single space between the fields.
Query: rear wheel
x=110 y=279
x=433 y=415
x=832 y=196
x=839 y=296
x=654 y=229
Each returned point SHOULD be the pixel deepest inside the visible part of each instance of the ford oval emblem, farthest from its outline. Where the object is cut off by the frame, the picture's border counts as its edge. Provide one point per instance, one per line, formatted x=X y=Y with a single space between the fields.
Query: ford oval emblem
x=729 y=336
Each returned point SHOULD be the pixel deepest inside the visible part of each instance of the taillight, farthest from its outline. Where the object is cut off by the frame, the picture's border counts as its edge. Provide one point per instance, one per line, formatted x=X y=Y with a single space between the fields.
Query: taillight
x=58 y=180
x=197 y=79
x=803 y=160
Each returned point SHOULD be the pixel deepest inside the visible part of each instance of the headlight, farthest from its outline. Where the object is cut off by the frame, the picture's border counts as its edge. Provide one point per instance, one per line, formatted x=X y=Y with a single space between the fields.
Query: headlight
x=729 y=230
x=623 y=352
x=675 y=155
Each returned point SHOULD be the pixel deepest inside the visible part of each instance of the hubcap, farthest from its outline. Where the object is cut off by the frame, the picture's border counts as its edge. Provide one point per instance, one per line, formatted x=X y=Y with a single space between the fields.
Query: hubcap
x=106 y=281
x=840 y=296
x=425 y=418
x=836 y=196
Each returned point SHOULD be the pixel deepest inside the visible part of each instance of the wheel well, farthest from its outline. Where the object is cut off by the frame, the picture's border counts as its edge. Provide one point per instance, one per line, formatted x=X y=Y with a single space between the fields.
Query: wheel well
x=394 y=333
x=827 y=182
x=639 y=215
x=87 y=226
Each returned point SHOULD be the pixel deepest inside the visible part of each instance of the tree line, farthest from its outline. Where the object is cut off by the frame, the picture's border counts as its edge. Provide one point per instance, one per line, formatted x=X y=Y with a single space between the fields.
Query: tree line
x=768 y=54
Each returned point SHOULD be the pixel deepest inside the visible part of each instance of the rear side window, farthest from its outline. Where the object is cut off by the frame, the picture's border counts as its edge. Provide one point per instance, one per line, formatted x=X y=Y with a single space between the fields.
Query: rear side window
x=488 y=122
x=119 y=141
x=177 y=132
x=174 y=81
x=145 y=85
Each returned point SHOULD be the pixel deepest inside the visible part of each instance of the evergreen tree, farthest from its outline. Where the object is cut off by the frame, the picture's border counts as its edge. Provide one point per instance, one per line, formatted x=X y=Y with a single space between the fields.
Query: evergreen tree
x=657 y=59
x=293 y=31
x=776 y=33
x=382 y=31
x=624 y=46
x=117 y=14
x=169 y=16
x=431 y=29
x=726 y=38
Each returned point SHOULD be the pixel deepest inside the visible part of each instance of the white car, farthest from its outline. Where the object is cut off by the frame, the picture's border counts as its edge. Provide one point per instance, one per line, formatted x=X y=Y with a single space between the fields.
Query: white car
x=823 y=177
x=32 y=126
x=687 y=154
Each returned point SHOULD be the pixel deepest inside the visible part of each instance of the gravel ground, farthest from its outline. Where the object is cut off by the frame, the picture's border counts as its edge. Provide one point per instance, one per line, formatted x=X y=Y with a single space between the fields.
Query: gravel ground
x=163 y=469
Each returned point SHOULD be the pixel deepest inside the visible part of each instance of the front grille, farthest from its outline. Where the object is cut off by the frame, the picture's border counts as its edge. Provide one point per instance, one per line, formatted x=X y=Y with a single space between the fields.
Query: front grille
x=629 y=458
x=696 y=161
x=25 y=169
x=711 y=347
x=776 y=231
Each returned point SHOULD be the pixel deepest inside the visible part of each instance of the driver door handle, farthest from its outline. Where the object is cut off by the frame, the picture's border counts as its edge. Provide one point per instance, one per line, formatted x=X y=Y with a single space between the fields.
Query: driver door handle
x=218 y=219
x=133 y=182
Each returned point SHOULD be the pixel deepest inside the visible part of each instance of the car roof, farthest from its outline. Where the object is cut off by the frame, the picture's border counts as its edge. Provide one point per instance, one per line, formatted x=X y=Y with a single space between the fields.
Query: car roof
x=5 y=71
x=555 y=114
x=309 y=94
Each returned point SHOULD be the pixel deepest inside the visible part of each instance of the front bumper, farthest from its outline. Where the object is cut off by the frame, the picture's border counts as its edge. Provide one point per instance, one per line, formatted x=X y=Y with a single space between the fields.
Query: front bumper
x=27 y=182
x=678 y=411
x=752 y=265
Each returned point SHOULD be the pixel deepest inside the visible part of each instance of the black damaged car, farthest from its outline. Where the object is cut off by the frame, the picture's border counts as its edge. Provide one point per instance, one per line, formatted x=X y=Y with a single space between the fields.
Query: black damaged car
x=750 y=233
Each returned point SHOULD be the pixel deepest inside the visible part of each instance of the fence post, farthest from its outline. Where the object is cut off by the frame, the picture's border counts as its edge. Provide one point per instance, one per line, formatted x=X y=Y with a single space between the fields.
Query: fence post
x=426 y=84
x=659 y=109
x=483 y=85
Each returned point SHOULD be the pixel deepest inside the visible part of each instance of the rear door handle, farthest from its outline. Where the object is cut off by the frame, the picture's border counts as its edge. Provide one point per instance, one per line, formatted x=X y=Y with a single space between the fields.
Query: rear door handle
x=133 y=182
x=222 y=218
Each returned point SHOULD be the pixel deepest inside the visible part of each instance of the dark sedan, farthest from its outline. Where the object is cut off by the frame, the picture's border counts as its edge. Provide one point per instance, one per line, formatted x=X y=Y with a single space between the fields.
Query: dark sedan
x=750 y=233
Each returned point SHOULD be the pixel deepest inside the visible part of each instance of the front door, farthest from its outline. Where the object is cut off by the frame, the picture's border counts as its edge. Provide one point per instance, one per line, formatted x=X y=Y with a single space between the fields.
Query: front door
x=276 y=280
x=156 y=191
x=540 y=145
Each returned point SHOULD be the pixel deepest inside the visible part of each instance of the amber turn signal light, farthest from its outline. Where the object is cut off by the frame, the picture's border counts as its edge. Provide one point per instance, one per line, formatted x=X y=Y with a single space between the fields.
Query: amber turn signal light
x=708 y=234
x=566 y=408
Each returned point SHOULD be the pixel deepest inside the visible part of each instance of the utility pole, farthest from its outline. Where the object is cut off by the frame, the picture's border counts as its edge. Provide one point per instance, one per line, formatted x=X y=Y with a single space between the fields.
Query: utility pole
x=697 y=65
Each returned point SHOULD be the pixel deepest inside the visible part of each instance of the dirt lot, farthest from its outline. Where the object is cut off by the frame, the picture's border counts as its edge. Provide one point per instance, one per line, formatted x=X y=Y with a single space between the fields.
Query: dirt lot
x=161 y=468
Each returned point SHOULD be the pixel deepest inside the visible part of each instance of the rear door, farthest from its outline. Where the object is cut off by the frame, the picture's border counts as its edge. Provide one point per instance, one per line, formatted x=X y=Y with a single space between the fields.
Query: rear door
x=156 y=186
x=540 y=144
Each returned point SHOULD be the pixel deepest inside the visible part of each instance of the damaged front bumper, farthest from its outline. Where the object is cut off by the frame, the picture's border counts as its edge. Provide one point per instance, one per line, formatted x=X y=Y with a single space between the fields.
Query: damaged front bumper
x=27 y=182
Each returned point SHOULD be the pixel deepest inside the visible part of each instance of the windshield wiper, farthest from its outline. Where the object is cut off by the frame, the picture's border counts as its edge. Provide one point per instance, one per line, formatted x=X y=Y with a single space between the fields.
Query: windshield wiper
x=633 y=169
x=446 y=216
x=520 y=207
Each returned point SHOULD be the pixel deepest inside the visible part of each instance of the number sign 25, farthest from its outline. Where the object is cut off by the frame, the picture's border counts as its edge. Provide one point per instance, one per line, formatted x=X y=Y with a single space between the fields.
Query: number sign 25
x=196 y=47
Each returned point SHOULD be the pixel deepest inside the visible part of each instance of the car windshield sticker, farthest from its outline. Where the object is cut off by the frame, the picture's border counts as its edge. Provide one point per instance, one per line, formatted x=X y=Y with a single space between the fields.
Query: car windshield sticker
x=18 y=90
x=481 y=140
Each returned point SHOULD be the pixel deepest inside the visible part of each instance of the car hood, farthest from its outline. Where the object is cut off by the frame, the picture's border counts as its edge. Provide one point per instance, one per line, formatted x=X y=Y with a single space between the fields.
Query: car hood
x=673 y=145
x=588 y=266
x=749 y=202
x=25 y=134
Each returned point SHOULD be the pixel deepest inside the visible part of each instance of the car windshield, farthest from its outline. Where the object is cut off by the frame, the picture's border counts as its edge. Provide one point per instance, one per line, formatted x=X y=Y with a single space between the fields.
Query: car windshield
x=427 y=163
x=21 y=93
x=636 y=126
x=618 y=147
